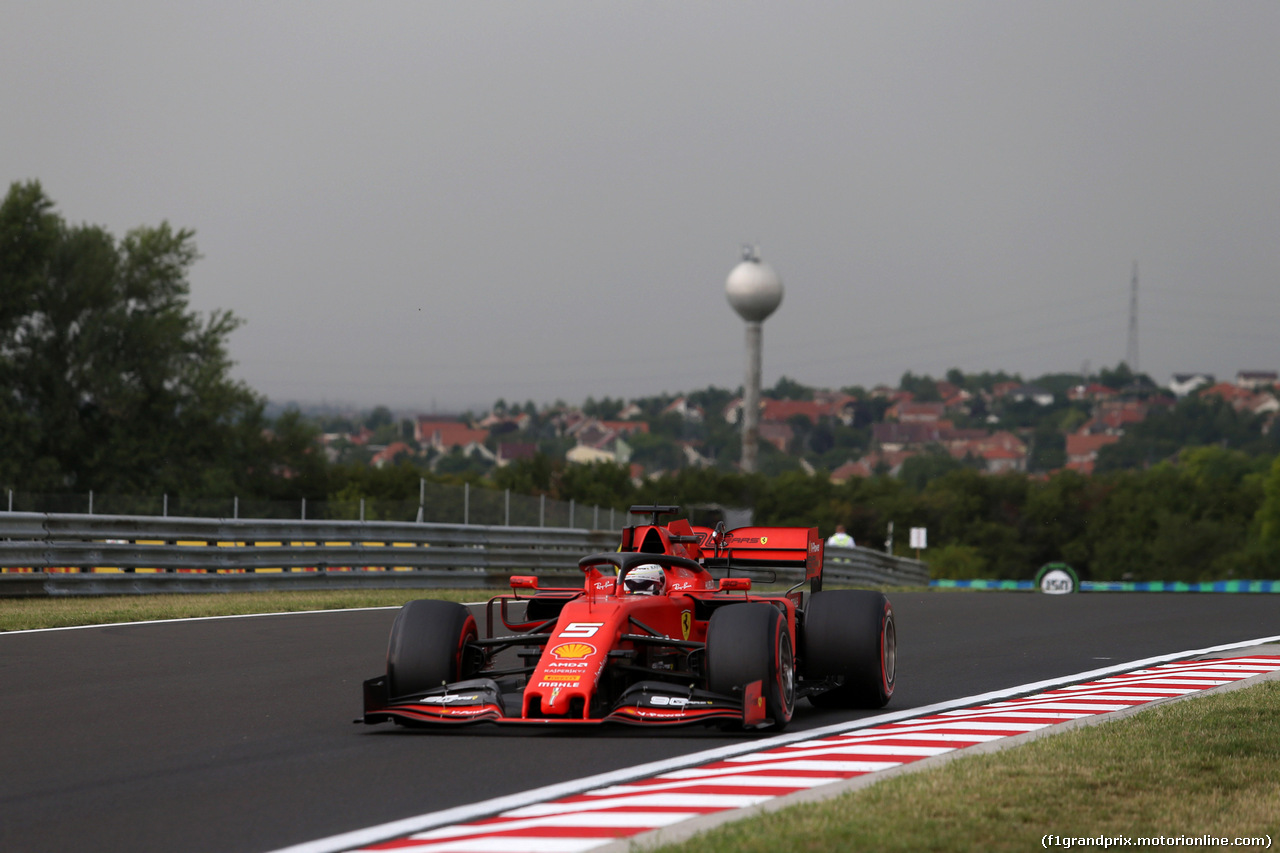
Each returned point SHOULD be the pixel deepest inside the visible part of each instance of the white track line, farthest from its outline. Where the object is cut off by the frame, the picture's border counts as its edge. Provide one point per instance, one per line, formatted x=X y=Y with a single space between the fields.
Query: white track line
x=475 y=811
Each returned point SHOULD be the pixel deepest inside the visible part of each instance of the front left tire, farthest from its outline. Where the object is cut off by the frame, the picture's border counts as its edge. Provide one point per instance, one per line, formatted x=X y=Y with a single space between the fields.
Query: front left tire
x=850 y=643
x=750 y=642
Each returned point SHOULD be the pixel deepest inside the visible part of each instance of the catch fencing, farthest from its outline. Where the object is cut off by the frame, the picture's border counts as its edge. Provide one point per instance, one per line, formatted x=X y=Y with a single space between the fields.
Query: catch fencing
x=80 y=554
x=440 y=502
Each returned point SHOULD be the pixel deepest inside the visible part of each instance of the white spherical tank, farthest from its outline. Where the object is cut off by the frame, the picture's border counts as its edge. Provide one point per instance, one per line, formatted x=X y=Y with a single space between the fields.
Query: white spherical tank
x=754 y=289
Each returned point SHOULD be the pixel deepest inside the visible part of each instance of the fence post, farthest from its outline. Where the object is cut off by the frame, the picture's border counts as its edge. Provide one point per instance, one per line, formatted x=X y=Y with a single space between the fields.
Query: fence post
x=304 y=509
x=91 y=502
x=422 y=498
x=235 y=507
x=466 y=503
x=611 y=527
x=571 y=512
x=508 y=508
x=11 y=500
x=362 y=509
x=595 y=517
x=165 y=511
x=542 y=510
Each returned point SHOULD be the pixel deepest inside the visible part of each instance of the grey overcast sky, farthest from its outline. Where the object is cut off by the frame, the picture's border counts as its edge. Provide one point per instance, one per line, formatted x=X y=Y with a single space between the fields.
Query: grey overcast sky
x=436 y=205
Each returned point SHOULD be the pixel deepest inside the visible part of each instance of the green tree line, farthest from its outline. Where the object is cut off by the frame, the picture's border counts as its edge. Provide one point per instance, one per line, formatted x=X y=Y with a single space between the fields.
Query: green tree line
x=1209 y=513
x=109 y=382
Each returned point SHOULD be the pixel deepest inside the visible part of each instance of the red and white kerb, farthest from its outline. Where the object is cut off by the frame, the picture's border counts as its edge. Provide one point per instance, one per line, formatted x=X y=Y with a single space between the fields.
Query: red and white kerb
x=595 y=818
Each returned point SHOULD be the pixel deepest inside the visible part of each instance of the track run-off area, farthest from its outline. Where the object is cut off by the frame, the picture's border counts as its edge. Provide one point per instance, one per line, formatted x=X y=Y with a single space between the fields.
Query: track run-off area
x=236 y=734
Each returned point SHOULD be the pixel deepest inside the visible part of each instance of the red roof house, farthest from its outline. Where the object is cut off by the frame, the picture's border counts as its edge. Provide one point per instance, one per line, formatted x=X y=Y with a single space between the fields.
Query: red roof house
x=1082 y=450
x=446 y=435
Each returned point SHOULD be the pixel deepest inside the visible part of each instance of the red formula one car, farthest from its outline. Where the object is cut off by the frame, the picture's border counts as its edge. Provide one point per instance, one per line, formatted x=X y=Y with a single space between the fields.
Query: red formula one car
x=662 y=632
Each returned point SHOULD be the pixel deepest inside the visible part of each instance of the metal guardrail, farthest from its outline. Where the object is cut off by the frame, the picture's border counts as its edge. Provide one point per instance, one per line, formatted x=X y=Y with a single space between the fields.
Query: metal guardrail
x=863 y=566
x=52 y=554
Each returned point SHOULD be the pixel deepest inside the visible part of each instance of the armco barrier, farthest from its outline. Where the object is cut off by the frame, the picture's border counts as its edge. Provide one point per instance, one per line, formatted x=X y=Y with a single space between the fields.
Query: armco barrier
x=862 y=566
x=70 y=554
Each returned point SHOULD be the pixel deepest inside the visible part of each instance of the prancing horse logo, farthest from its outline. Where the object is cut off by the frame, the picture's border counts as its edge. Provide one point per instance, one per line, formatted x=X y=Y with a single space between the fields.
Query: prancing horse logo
x=686 y=621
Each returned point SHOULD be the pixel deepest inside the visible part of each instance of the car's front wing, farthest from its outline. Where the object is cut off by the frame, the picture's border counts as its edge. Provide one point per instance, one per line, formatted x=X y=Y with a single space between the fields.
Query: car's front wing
x=649 y=703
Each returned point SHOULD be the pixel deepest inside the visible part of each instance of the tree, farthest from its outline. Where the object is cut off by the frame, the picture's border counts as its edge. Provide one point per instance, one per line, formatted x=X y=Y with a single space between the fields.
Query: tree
x=391 y=493
x=380 y=416
x=1193 y=422
x=457 y=465
x=1055 y=519
x=969 y=508
x=1122 y=378
x=1268 y=515
x=712 y=401
x=297 y=468
x=597 y=484
x=688 y=487
x=921 y=469
x=606 y=409
x=531 y=476
x=924 y=388
x=655 y=452
x=1182 y=520
x=789 y=389
x=109 y=382
x=1058 y=384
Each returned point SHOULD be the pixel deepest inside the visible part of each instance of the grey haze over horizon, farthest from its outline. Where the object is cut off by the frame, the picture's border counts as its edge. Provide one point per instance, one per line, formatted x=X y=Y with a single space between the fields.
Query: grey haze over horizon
x=437 y=205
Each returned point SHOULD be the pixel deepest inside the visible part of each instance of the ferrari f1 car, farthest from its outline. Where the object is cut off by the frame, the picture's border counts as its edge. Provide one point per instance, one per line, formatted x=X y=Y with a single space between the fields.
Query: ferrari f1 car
x=665 y=631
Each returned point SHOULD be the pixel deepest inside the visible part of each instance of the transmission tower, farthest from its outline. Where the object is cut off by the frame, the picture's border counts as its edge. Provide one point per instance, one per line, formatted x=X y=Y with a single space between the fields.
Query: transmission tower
x=1131 y=354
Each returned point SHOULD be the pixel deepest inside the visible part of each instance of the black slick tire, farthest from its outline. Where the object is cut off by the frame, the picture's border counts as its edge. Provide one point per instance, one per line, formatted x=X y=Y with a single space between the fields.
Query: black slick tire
x=750 y=642
x=426 y=646
x=850 y=639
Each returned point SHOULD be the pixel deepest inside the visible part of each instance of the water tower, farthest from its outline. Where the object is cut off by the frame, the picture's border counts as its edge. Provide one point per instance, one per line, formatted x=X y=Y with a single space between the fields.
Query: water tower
x=755 y=292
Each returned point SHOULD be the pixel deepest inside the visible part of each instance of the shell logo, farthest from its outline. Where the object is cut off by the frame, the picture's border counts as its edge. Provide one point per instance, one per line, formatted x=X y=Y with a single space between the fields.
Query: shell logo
x=572 y=651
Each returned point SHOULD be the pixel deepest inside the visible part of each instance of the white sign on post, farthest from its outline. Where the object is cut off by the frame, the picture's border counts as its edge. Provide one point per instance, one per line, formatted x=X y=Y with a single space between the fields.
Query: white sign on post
x=919 y=537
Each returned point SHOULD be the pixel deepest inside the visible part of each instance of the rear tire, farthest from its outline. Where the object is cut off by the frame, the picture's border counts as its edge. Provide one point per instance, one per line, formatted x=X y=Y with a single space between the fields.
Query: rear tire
x=750 y=642
x=850 y=638
x=427 y=645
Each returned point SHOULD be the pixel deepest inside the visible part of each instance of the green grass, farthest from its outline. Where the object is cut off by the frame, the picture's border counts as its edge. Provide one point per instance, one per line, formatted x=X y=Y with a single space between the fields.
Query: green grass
x=1205 y=766
x=18 y=614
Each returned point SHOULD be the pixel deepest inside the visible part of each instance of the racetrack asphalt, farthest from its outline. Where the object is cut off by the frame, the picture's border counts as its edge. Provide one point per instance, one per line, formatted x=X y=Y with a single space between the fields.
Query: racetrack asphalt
x=236 y=734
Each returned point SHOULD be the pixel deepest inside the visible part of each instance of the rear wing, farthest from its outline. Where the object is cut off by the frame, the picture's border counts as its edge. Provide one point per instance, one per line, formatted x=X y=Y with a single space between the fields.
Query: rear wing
x=763 y=548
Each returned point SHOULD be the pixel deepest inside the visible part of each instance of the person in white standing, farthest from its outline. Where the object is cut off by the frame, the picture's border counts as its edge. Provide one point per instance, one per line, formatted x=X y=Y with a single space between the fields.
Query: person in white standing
x=840 y=538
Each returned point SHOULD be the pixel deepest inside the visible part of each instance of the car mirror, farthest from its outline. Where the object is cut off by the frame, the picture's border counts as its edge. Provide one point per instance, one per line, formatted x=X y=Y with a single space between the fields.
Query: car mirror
x=735 y=584
x=524 y=582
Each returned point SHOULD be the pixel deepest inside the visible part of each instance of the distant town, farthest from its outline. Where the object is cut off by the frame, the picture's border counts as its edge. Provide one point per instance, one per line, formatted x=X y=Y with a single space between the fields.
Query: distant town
x=993 y=422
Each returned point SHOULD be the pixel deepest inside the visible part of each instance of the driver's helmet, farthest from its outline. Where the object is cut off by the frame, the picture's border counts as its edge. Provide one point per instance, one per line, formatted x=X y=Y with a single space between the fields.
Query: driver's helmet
x=646 y=579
